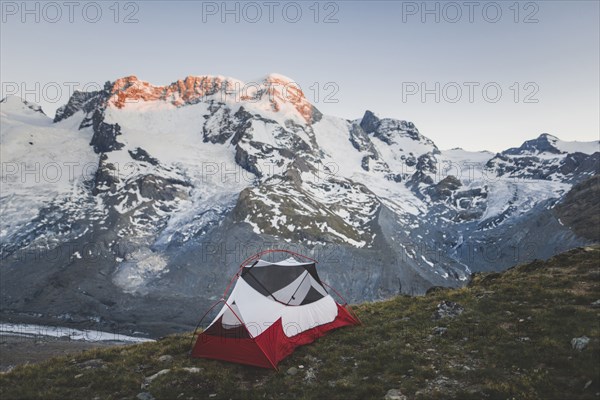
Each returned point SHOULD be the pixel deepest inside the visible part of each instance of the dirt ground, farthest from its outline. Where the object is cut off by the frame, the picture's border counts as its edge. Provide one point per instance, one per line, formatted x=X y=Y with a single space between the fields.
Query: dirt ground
x=17 y=350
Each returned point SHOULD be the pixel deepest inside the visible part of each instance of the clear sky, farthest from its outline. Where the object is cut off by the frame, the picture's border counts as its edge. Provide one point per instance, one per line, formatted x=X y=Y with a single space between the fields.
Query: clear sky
x=438 y=64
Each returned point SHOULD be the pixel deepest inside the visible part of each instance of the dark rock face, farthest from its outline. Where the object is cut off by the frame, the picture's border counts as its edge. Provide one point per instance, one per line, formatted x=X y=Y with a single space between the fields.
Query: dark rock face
x=140 y=154
x=247 y=161
x=365 y=163
x=78 y=101
x=386 y=133
x=221 y=126
x=580 y=209
x=572 y=162
x=390 y=130
x=315 y=115
x=369 y=122
x=361 y=142
x=105 y=135
x=420 y=177
x=261 y=158
x=158 y=188
x=360 y=139
x=584 y=165
x=394 y=177
x=425 y=164
x=445 y=188
x=106 y=177
x=243 y=117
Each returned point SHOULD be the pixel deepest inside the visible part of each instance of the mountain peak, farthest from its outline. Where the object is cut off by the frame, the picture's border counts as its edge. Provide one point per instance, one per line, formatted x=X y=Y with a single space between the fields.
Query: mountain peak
x=369 y=122
x=545 y=143
x=279 y=78
x=283 y=94
x=548 y=137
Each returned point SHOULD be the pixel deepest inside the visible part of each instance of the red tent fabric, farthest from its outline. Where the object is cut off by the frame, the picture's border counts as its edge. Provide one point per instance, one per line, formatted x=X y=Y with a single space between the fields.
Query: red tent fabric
x=273 y=308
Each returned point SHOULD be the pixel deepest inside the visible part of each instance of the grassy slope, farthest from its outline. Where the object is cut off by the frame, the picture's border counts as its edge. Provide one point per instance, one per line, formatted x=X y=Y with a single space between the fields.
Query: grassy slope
x=512 y=341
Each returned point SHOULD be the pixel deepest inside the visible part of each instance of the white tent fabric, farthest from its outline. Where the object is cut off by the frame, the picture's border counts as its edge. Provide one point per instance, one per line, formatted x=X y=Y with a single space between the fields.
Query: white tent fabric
x=258 y=312
x=230 y=316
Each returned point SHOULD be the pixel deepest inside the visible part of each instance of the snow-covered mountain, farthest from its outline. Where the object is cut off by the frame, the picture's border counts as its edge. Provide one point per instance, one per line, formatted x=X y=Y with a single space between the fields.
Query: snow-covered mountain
x=138 y=201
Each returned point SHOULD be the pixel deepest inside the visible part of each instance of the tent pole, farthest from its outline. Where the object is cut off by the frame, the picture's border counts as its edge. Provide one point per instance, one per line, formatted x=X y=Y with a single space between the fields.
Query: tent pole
x=344 y=300
x=199 y=322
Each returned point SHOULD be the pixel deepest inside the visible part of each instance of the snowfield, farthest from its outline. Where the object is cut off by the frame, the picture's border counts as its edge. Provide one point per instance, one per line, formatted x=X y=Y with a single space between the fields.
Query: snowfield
x=147 y=170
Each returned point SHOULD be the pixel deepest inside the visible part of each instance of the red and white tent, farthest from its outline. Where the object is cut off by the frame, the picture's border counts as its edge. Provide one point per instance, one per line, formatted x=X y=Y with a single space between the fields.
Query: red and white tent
x=273 y=308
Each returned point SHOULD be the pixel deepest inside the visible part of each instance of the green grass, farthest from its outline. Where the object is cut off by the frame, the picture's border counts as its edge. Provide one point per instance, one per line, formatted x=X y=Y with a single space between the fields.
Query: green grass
x=512 y=342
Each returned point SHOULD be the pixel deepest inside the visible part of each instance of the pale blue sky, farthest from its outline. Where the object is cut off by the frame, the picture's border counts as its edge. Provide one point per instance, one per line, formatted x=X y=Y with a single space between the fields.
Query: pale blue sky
x=374 y=54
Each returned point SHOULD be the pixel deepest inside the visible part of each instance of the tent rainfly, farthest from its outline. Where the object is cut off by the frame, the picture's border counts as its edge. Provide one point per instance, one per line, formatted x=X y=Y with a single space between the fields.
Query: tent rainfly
x=273 y=308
